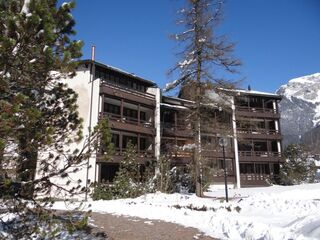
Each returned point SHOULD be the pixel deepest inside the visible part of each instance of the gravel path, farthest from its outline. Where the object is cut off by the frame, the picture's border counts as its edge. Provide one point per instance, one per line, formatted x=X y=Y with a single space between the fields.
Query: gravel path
x=132 y=228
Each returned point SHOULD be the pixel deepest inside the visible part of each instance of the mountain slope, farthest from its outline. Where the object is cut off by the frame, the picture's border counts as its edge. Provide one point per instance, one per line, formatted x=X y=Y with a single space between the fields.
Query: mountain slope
x=300 y=107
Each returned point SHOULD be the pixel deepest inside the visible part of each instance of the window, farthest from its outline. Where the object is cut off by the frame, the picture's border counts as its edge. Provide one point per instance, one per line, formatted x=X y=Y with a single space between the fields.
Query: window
x=272 y=125
x=143 y=144
x=274 y=146
x=269 y=104
x=207 y=140
x=134 y=85
x=245 y=146
x=108 y=172
x=130 y=113
x=259 y=124
x=256 y=102
x=111 y=108
x=143 y=116
x=123 y=81
x=168 y=117
x=242 y=101
x=127 y=139
x=246 y=168
x=260 y=146
x=262 y=168
x=223 y=117
x=219 y=165
x=115 y=140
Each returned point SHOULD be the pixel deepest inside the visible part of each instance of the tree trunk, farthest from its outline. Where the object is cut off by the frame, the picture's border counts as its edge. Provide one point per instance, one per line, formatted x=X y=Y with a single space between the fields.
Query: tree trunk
x=27 y=163
x=1 y=159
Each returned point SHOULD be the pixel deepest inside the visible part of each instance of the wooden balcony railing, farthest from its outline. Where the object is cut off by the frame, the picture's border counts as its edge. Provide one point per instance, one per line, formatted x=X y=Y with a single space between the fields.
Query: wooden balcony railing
x=259 y=154
x=256 y=109
x=129 y=90
x=174 y=127
x=182 y=154
x=257 y=131
x=254 y=177
x=129 y=120
x=140 y=153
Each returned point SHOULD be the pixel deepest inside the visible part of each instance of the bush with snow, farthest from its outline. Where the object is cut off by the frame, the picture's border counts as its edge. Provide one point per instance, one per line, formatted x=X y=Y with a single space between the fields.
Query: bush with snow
x=298 y=167
x=132 y=179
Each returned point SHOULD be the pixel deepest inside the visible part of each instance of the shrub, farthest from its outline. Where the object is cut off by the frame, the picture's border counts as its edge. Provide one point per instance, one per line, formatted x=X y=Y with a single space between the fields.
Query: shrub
x=132 y=179
x=298 y=167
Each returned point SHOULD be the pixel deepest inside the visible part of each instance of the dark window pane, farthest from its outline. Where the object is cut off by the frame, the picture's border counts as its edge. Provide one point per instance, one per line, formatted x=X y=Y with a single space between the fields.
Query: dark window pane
x=143 y=116
x=262 y=168
x=115 y=140
x=108 y=172
x=143 y=143
x=127 y=139
x=246 y=168
x=260 y=146
x=111 y=108
x=130 y=113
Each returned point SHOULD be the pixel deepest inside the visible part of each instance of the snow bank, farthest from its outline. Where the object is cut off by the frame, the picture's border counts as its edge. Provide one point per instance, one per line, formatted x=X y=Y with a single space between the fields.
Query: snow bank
x=255 y=213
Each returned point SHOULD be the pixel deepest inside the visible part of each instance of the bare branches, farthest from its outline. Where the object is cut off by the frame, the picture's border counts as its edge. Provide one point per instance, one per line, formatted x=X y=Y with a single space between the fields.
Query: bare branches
x=201 y=49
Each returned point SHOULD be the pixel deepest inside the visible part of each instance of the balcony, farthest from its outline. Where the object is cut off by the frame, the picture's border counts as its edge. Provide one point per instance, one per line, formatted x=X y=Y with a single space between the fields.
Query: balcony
x=217 y=152
x=262 y=156
x=259 y=133
x=127 y=93
x=176 y=130
x=257 y=112
x=142 y=156
x=129 y=124
x=248 y=180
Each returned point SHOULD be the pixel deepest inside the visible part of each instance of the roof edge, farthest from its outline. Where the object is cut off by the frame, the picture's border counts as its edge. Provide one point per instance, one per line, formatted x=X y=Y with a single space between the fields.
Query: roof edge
x=149 y=82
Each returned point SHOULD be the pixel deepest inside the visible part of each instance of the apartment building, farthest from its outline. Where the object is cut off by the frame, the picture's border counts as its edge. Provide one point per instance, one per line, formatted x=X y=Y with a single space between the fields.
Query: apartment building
x=158 y=125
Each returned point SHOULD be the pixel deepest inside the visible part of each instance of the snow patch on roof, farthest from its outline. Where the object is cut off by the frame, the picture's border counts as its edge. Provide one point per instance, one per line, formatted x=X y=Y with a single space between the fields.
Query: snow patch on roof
x=252 y=92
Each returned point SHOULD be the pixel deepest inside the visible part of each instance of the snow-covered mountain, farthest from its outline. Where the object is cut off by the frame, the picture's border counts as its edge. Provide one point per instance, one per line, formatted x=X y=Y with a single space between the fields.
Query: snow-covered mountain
x=300 y=107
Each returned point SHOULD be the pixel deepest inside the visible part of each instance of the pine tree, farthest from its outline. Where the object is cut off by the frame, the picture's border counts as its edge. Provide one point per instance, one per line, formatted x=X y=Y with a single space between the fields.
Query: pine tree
x=299 y=166
x=128 y=182
x=38 y=112
x=202 y=53
x=36 y=52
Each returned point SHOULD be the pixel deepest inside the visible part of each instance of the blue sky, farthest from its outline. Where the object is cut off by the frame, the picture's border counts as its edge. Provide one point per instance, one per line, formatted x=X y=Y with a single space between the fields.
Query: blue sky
x=276 y=39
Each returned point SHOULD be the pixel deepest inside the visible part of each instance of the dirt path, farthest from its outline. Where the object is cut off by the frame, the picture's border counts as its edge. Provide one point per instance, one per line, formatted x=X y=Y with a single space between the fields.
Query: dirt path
x=132 y=228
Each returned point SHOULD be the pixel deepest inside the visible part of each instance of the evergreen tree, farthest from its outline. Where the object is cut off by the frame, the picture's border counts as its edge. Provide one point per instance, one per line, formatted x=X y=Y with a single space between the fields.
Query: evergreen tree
x=36 y=52
x=202 y=53
x=298 y=167
x=129 y=180
x=38 y=112
x=163 y=178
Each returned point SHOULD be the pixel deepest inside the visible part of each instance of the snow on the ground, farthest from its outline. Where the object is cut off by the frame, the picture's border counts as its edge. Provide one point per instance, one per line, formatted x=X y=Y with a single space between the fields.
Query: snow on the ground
x=10 y=223
x=276 y=212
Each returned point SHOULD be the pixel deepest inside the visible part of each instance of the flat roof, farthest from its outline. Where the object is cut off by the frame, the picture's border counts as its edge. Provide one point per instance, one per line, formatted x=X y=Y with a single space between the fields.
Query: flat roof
x=109 y=67
x=254 y=93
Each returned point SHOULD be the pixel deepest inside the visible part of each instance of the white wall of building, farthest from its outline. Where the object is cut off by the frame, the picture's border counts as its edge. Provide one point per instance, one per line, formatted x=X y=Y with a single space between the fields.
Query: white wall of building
x=84 y=88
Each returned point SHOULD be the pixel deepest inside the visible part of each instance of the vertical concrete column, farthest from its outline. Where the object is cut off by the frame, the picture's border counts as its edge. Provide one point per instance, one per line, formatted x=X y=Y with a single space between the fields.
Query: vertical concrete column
x=95 y=104
x=235 y=143
x=157 y=124
x=98 y=172
x=274 y=106
x=277 y=127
